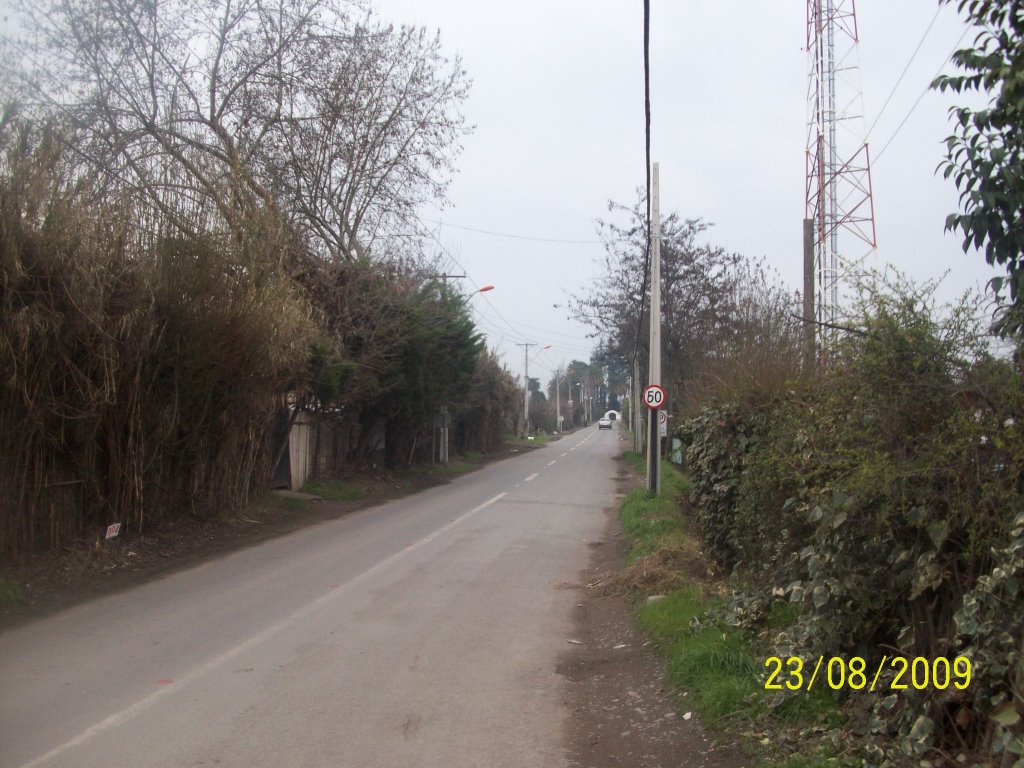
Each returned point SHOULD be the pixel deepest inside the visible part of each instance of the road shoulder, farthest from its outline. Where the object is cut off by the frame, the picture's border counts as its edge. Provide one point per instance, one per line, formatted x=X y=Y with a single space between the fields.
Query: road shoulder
x=622 y=711
x=45 y=584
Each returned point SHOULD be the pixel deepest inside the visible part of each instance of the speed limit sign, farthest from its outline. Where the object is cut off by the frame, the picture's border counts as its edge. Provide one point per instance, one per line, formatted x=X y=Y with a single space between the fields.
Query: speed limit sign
x=654 y=397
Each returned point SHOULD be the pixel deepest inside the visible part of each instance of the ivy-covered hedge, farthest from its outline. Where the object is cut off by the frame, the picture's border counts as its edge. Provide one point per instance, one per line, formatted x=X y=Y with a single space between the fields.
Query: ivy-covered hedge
x=885 y=498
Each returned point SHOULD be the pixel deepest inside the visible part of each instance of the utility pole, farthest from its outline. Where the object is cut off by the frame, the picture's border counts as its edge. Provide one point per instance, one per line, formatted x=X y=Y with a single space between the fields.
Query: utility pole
x=808 y=310
x=526 y=383
x=654 y=439
x=634 y=405
x=558 y=404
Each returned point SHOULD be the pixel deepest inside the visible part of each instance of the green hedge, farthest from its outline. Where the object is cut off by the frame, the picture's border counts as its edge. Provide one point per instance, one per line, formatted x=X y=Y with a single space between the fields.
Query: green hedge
x=884 y=497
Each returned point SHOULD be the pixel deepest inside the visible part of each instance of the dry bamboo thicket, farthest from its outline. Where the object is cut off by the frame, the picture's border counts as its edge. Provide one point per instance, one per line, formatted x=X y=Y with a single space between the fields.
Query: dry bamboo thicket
x=134 y=385
x=143 y=368
x=214 y=231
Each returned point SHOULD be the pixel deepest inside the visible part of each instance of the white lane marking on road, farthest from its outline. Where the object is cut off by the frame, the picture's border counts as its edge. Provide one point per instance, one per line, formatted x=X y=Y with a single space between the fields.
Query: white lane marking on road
x=531 y=477
x=126 y=714
x=552 y=463
x=564 y=455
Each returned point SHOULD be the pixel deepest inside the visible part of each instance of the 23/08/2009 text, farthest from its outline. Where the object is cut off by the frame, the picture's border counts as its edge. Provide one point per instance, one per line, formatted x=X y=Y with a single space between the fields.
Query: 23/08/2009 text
x=918 y=673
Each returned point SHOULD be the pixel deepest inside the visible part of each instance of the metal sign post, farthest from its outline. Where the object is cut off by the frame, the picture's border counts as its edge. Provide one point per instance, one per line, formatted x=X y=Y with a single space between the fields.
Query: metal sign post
x=654 y=378
x=654 y=398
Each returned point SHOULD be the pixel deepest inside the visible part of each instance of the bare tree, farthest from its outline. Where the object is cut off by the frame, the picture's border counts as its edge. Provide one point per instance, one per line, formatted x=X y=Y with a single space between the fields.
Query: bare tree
x=699 y=293
x=232 y=107
x=375 y=135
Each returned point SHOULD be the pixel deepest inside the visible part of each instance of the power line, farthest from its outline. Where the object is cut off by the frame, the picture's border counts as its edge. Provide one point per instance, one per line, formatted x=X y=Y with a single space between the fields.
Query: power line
x=923 y=94
x=647 y=158
x=904 y=72
x=517 y=237
x=494 y=327
x=471 y=280
x=851 y=266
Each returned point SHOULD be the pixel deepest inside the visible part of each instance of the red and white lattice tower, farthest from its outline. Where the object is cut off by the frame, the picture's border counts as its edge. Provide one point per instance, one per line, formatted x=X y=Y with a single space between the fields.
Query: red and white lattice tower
x=838 y=188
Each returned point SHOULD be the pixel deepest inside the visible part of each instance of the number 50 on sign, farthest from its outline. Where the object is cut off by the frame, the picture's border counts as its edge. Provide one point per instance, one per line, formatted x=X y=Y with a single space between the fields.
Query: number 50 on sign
x=654 y=396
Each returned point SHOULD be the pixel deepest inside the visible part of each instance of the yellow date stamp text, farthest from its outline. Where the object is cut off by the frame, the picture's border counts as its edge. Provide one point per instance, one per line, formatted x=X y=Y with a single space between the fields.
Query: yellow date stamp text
x=915 y=673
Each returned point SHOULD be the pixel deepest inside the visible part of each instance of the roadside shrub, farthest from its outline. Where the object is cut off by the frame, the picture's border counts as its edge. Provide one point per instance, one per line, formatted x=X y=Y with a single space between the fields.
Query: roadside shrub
x=883 y=497
x=484 y=417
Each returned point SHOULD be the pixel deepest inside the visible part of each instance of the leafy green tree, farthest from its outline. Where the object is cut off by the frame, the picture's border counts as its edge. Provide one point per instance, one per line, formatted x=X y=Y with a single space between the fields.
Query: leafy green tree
x=489 y=410
x=985 y=153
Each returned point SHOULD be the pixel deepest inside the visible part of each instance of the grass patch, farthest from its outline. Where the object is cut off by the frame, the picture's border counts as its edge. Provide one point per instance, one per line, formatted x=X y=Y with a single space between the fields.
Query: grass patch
x=269 y=502
x=452 y=468
x=10 y=591
x=335 y=490
x=649 y=522
x=717 y=666
x=531 y=440
x=653 y=522
x=721 y=667
x=636 y=460
x=293 y=505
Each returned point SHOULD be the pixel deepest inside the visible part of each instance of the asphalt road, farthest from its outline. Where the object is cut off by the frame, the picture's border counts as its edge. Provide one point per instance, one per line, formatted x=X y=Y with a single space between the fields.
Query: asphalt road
x=423 y=632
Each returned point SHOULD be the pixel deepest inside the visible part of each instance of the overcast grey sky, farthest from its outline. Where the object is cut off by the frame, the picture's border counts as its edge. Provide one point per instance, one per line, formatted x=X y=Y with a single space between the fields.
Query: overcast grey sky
x=557 y=105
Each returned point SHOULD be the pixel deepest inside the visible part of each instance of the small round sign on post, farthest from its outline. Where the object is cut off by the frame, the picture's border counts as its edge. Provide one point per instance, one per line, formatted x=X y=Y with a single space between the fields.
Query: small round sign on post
x=654 y=396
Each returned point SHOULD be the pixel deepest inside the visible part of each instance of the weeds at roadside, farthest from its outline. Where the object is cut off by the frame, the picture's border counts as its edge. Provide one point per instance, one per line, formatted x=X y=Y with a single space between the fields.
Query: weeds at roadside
x=531 y=441
x=720 y=667
x=335 y=490
x=452 y=468
x=10 y=592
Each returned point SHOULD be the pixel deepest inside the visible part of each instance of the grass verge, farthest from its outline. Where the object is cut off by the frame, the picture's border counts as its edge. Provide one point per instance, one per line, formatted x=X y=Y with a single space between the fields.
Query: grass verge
x=10 y=591
x=721 y=667
x=532 y=440
x=335 y=490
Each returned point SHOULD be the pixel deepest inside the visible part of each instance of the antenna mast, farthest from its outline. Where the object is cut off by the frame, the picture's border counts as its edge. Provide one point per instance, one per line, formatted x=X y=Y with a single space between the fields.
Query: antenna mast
x=838 y=179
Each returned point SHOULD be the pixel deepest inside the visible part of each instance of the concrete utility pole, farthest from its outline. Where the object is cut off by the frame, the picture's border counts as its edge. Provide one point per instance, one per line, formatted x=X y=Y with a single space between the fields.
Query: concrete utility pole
x=654 y=440
x=809 y=330
x=634 y=406
x=526 y=383
x=558 y=404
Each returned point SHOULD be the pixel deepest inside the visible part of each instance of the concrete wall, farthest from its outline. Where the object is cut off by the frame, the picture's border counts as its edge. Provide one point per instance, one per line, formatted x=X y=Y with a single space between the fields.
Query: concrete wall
x=301 y=450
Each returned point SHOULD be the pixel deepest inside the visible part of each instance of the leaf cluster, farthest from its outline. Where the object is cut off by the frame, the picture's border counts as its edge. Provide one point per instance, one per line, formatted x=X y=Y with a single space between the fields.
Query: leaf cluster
x=985 y=152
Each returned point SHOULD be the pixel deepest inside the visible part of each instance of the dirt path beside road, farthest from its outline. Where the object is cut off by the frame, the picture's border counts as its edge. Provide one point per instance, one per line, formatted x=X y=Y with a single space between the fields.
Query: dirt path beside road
x=622 y=712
